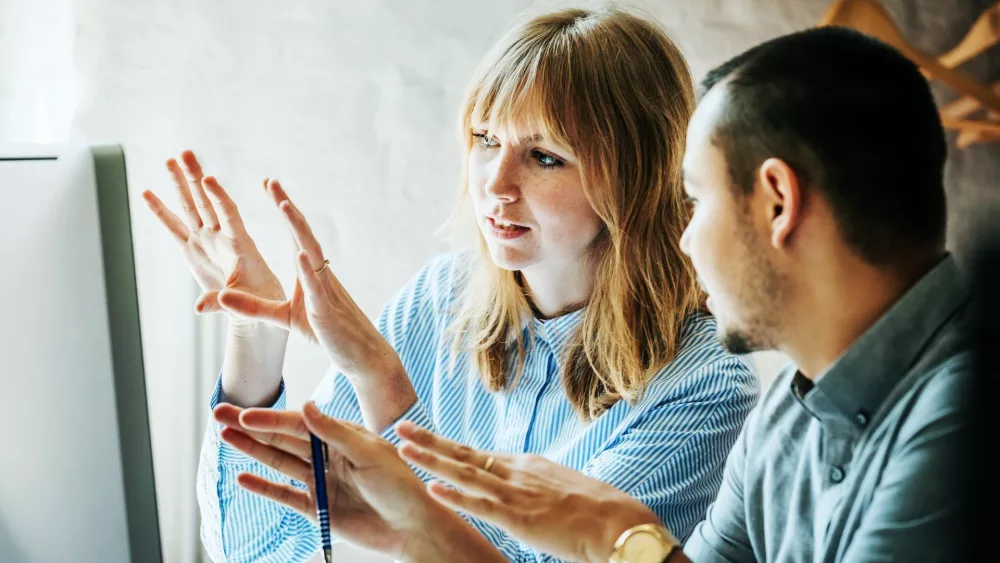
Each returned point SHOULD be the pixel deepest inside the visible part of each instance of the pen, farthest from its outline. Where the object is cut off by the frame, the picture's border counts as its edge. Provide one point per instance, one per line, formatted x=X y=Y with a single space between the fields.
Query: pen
x=320 y=460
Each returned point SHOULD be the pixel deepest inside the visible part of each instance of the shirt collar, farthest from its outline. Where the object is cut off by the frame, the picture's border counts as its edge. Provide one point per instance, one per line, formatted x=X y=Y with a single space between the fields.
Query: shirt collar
x=855 y=386
x=556 y=332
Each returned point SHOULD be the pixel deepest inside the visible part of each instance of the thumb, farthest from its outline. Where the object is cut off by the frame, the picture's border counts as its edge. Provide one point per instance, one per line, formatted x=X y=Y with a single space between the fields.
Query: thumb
x=346 y=440
x=255 y=308
x=208 y=302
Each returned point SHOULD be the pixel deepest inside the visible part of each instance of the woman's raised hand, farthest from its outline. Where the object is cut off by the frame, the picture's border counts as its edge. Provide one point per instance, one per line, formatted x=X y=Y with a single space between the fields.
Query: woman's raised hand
x=219 y=252
x=322 y=311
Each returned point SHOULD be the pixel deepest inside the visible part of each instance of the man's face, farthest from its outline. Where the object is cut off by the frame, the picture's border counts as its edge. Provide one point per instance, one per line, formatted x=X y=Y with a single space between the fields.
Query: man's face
x=729 y=251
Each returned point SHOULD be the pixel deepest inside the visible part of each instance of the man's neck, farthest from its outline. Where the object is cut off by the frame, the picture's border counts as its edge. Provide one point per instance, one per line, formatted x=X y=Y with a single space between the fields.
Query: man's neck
x=836 y=307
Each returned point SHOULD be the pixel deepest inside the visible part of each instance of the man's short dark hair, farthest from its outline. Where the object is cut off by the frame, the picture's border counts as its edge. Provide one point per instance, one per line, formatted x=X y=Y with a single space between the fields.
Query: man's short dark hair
x=856 y=121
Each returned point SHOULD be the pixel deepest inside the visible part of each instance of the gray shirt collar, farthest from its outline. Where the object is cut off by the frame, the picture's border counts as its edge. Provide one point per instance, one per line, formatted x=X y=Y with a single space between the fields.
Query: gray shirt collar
x=854 y=387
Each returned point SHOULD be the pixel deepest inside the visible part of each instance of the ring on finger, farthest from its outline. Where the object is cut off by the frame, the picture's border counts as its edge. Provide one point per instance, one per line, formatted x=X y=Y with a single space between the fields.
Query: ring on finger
x=488 y=464
x=326 y=264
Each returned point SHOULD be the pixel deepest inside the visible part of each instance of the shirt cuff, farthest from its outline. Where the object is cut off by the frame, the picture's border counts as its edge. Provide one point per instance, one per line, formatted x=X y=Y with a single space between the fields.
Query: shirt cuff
x=227 y=453
x=416 y=414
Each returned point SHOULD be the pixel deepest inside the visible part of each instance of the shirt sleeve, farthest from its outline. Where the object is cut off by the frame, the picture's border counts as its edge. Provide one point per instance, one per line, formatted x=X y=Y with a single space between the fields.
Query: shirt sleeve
x=722 y=536
x=916 y=511
x=237 y=525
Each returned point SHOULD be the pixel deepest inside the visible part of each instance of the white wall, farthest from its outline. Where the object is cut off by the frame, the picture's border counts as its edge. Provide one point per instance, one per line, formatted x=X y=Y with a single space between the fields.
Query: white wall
x=351 y=104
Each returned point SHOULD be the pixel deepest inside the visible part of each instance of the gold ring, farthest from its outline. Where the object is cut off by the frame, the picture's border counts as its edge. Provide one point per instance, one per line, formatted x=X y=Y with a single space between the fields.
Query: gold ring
x=326 y=264
x=489 y=463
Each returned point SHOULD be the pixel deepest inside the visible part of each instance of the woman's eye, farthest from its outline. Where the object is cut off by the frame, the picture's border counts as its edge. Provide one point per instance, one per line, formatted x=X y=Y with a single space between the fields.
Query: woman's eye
x=486 y=142
x=546 y=160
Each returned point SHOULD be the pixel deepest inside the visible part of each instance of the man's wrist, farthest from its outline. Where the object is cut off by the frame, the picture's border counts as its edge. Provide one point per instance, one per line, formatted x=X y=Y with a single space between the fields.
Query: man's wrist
x=622 y=520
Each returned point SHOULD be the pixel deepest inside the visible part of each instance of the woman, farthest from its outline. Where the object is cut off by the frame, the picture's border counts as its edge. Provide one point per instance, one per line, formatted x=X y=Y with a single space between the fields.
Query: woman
x=573 y=330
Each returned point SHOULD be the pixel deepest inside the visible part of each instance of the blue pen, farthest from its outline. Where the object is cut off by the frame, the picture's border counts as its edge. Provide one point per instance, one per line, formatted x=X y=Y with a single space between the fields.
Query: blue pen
x=320 y=461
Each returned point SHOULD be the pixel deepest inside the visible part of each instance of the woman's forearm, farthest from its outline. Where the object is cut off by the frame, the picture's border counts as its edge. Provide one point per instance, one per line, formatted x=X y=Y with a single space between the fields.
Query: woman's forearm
x=384 y=393
x=251 y=368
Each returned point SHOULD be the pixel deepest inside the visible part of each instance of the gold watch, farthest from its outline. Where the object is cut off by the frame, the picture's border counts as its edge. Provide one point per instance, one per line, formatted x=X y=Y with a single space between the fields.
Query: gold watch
x=645 y=543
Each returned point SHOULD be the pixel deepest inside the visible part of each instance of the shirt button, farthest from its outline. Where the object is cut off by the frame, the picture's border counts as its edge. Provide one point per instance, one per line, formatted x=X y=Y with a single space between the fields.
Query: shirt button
x=836 y=474
x=861 y=418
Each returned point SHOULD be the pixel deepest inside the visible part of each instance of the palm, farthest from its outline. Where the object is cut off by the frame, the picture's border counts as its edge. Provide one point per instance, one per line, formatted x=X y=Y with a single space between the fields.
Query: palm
x=369 y=507
x=219 y=262
x=351 y=515
x=219 y=252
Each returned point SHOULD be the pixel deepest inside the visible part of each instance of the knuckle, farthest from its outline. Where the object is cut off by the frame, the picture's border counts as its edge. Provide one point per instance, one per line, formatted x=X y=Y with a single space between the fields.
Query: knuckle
x=463 y=453
x=467 y=472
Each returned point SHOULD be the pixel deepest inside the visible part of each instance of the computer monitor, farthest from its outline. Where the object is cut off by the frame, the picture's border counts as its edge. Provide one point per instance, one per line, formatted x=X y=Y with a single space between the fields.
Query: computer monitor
x=76 y=470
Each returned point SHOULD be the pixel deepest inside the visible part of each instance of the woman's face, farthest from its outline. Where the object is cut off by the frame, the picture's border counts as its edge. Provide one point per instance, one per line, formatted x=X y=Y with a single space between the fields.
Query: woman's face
x=529 y=202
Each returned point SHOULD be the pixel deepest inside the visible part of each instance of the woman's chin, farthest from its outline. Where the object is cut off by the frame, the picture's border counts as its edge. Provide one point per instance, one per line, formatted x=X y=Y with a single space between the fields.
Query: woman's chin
x=512 y=259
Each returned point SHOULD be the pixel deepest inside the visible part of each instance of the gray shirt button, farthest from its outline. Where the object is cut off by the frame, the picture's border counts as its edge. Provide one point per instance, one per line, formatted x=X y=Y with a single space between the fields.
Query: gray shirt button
x=861 y=418
x=836 y=474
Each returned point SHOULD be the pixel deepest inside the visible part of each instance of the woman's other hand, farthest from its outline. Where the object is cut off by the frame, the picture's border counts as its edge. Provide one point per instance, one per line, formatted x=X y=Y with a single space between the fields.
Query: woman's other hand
x=554 y=508
x=375 y=500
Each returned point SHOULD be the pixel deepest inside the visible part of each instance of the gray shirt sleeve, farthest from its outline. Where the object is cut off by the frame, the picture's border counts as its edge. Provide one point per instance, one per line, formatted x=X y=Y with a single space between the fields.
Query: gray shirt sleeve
x=915 y=513
x=722 y=537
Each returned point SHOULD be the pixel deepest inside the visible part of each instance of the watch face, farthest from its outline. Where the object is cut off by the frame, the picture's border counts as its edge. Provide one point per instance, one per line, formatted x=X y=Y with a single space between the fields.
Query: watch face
x=644 y=547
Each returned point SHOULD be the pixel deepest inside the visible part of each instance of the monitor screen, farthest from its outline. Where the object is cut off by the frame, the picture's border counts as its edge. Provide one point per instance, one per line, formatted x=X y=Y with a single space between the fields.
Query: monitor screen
x=76 y=482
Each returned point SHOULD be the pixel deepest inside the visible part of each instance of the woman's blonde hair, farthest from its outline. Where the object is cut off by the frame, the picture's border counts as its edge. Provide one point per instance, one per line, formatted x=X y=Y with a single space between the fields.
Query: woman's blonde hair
x=616 y=90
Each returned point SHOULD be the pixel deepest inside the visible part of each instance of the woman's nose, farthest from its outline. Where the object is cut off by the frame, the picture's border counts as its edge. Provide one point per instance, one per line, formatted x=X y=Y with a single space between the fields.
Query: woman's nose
x=503 y=183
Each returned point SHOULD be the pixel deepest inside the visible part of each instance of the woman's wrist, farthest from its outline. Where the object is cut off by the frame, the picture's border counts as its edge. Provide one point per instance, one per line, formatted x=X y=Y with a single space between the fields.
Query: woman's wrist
x=445 y=536
x=251 y=372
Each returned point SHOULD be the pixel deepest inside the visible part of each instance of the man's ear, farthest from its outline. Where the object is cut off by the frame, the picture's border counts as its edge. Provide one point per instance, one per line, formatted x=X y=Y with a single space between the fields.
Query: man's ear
x=782 y=196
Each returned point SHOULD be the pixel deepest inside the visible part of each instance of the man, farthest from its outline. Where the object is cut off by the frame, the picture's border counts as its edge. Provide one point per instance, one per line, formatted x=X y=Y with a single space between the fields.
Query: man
x=814 y=163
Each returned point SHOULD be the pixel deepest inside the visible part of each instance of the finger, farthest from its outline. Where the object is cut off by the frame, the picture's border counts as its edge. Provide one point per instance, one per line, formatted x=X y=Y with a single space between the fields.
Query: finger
x=355 y=445
x=275 y=458
x=194 y=177
x=172 y=222
x=229 y=215
x=270 y=420
x=480 y=507
x=312 y=287
x=466 y=476
x=191 y=217
x=278 y=195
x=250 y=306
x=208 y=302
x=458 y=452
x=290 y=496
x=229 y=415
x=304 y=237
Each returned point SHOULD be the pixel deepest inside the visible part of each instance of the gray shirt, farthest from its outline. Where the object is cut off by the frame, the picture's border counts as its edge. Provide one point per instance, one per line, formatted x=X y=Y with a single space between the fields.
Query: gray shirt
x=862 y=463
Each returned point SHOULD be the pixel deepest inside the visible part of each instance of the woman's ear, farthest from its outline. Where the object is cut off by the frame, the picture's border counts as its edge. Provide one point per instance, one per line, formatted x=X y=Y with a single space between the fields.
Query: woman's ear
x=782 y=196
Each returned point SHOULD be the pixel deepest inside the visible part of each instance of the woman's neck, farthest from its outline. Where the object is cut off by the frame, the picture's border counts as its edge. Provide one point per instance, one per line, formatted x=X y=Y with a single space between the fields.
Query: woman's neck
x=555 y=290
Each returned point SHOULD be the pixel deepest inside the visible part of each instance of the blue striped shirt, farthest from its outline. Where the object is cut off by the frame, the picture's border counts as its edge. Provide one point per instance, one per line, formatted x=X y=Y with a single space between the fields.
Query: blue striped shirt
x=668 y=449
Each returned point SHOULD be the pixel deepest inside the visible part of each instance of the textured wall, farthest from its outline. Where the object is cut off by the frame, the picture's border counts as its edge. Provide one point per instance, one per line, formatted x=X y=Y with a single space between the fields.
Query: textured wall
x=352 y=105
